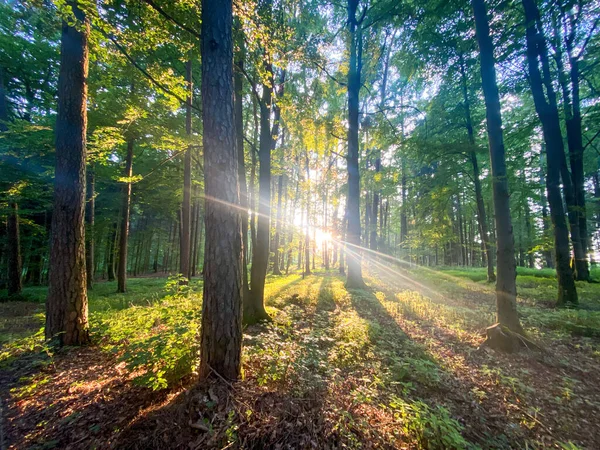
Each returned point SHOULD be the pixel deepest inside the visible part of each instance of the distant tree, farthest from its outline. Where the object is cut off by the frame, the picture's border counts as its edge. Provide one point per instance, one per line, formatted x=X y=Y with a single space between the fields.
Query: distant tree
x=15 y=284
x=221 y=332
x=67 y=303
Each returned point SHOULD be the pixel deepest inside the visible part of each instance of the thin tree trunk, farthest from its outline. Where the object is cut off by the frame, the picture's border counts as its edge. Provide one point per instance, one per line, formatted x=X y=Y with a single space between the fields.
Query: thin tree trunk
x=15 y=285
x=238 y=84
x=254 y=308
x=89 y=219
x=125 y=208
x=186 y=206
x=276 y=269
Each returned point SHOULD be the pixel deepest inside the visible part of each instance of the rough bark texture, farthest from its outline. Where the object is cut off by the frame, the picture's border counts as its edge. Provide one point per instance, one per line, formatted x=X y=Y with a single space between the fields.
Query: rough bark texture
x=15 y=285
x=221 y=332
x=67 y=303
x=354 y=278
x=125 y=208
x=186 y=206
x=506 y=289
x=547 y=110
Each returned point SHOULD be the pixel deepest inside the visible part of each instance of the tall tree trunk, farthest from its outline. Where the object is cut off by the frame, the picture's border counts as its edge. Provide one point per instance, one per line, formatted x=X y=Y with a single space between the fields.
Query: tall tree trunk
x=307 y=232
x=506 y=289
x=374 y=209
x=354 y=278
x=67 y=302
x=238 y=83
x=547 y=111
x=186 y=206
x=254 y=308
x=481 y=215
x=221 y=331
x=110 y=249
x=15 y=285
x=90 y=212
x=276 y=262
x=125 y=209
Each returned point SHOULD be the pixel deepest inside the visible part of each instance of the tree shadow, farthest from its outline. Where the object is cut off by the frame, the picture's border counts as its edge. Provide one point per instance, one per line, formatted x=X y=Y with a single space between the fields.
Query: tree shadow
x=286 y=412
x=427 y=377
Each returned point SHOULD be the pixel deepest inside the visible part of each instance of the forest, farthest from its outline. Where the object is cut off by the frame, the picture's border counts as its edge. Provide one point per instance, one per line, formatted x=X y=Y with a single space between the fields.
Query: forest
x=299 y=224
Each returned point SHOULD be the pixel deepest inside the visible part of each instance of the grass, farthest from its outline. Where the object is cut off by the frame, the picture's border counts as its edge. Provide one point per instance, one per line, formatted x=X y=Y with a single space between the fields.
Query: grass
x=536 y=290
x=394 y=365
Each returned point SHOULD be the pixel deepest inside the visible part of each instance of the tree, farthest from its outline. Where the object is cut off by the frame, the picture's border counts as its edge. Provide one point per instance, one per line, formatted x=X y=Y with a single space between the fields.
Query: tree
x=221 y=332
x=354 y=278
x=15 y=285
x=125 y=217
x=67 y=303
x=186 y=234
x=506 y=289
x=547 y=110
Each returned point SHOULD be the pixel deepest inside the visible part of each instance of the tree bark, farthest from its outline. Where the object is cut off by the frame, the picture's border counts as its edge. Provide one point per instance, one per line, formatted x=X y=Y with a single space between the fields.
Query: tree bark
x=506 y=289
x=221 y=331
x=547 y=111
x=67 y=302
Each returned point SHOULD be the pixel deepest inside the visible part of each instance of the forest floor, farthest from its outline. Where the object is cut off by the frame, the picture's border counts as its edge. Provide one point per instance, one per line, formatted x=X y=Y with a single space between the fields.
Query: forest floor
x=397 y=365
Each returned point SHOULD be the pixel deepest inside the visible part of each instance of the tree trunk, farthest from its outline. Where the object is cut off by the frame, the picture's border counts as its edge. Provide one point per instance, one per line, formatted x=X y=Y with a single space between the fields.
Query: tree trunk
x=221 y=331
x=186 y=206
x=110 y=250
x=547 y=111
x=89 y=219
x=506 y=289
x=307 y=231
x=276 y=262
x=125 y=208
x=67 y=302
x=354 y=278
x=254 y=308
x=238 y=83
x=15 y=285
x=481 y=215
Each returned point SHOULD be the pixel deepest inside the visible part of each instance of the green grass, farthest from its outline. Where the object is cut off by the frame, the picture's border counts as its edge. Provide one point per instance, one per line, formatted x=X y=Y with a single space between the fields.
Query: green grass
x=467 y=299
x=348 y=347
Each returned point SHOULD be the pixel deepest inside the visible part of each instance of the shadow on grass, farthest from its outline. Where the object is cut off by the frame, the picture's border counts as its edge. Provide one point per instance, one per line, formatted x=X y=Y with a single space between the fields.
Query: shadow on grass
x=288 y=409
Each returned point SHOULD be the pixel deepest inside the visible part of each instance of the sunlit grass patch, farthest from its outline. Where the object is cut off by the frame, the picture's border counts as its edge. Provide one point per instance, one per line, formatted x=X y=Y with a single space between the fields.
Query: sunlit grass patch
x=159 y=341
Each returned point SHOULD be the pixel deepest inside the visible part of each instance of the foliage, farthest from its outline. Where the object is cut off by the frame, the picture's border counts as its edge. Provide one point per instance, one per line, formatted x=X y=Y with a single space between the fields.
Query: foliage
x=431 y=428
